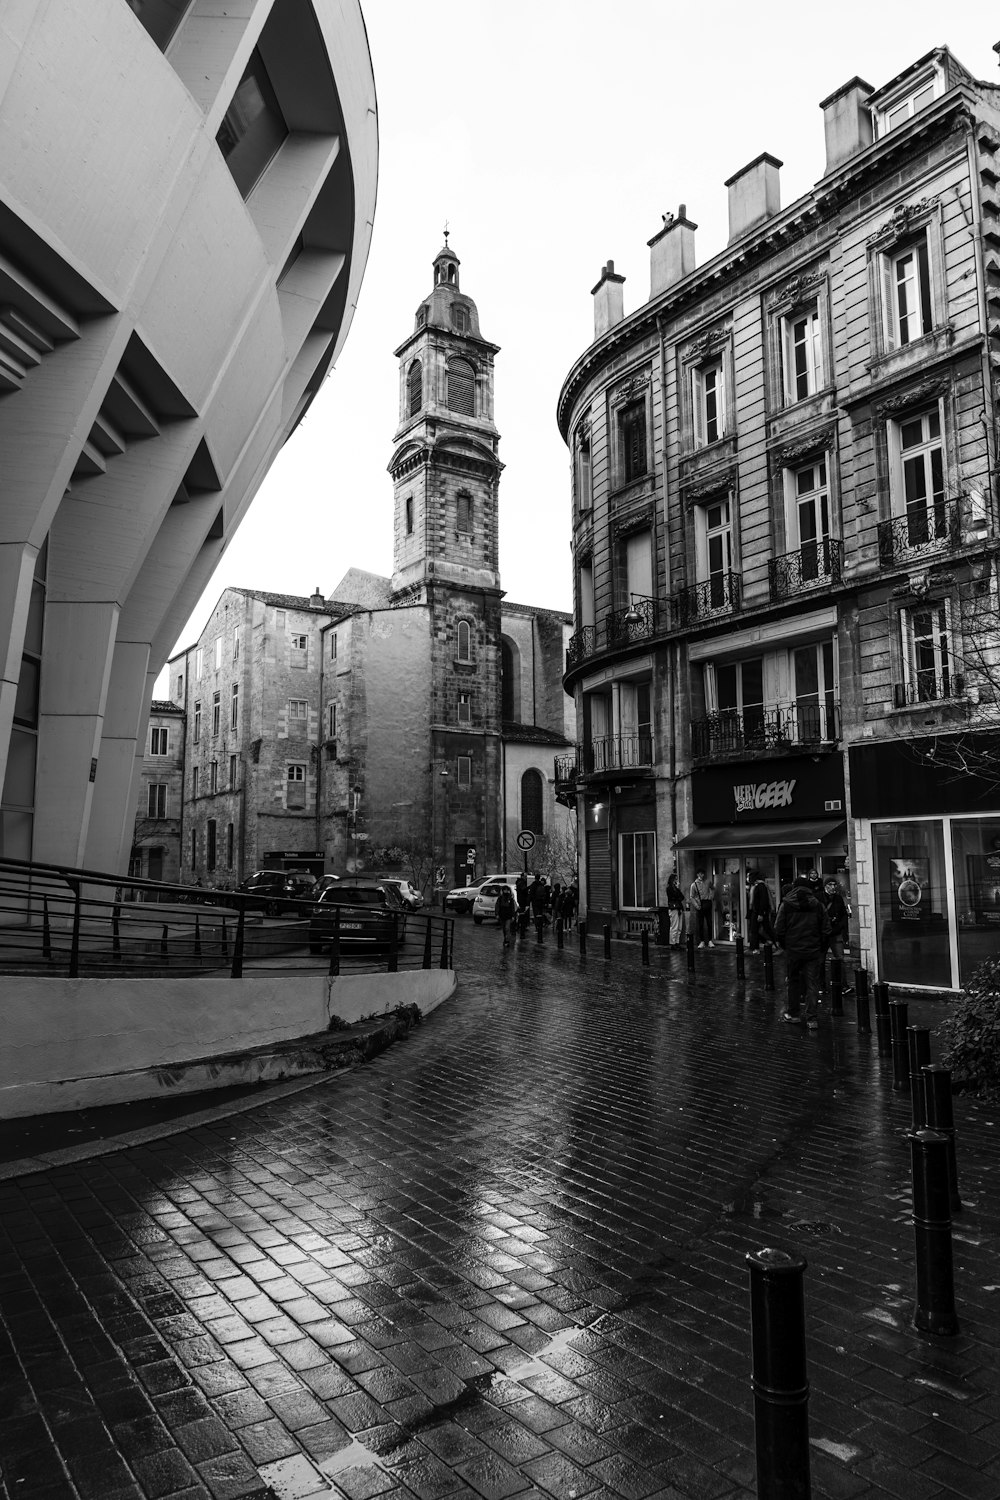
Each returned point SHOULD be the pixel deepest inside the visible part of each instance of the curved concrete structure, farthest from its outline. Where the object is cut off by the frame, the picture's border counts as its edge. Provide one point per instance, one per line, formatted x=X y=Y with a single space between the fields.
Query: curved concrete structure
x=186 y=202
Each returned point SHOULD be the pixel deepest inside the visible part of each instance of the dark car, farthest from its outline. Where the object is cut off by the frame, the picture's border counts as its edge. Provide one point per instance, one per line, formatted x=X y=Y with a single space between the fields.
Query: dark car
x=279 y=891
x=366 y=913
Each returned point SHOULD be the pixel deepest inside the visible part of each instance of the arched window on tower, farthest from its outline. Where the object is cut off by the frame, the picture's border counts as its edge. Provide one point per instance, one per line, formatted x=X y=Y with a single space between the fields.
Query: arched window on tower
x=414 y=386
x=508 y=684
x=532 y=802
x=462 y=388
x=464 y=641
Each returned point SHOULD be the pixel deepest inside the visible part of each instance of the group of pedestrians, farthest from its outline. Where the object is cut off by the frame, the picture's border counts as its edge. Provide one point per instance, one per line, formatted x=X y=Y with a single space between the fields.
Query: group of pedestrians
x=536 y=901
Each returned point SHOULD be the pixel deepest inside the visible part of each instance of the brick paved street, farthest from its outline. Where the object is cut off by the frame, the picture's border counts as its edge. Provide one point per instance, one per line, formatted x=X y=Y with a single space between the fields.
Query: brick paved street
x=505 y=1258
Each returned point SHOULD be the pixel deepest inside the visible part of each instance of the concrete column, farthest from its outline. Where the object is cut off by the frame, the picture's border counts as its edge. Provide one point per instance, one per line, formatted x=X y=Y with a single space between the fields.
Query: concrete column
x=112 y=811
x=17 y=570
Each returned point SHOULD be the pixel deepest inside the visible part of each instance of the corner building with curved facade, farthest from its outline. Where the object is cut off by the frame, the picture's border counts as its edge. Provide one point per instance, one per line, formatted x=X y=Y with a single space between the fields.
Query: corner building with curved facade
x=186 y=199
x=785 y=542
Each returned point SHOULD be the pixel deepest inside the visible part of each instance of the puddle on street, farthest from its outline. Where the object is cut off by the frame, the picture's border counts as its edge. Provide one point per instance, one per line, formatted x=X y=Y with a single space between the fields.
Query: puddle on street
x=354 y=1456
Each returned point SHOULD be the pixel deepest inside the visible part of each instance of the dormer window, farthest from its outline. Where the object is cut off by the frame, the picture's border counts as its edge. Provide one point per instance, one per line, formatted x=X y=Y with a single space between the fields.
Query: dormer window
x=906 y=101
x=460 y=318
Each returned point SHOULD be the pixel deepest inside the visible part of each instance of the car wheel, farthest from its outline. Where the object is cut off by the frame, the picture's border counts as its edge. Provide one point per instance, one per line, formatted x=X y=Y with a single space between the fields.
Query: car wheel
x=477 y=919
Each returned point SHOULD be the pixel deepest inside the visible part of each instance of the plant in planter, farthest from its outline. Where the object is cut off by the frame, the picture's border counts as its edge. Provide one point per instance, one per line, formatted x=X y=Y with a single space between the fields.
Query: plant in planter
x=971 y=1034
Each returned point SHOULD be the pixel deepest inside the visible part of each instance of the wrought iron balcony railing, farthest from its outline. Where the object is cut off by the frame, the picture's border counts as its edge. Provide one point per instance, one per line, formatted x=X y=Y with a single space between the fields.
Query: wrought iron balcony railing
x=927 y=527
x=636 y=623
x=719 y=595
x=810 y=566
x=927 y=687
x=764 y=731
x=581 y=645
x=617 y=752
x=566 y=768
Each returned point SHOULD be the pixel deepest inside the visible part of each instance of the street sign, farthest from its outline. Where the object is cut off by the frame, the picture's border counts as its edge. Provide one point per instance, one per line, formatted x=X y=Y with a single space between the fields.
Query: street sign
x=525 y=840
x=470 y=855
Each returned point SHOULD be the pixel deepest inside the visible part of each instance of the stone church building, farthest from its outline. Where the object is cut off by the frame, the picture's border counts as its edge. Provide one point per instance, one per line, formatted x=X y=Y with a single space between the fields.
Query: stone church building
x=409 y=720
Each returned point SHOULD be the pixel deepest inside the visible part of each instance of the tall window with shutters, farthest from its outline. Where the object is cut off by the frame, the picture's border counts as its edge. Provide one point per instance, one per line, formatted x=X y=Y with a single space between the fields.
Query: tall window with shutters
x=461 y=388
x=414 y=388
x=632 y=441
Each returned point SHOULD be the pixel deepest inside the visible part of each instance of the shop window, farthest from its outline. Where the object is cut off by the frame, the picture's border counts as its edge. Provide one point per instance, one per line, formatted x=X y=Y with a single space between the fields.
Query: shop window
x=295 y=781
x=708 y=396
x=533 y=802
x=976 y=858
x=911 y=904
x=158 y=741
x=637 y=870
x=156 y=800
x=802 y=354
x=252 y=128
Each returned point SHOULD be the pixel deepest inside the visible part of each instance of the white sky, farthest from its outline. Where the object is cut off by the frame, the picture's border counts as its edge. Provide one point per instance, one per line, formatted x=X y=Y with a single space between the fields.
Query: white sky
x=552 y=135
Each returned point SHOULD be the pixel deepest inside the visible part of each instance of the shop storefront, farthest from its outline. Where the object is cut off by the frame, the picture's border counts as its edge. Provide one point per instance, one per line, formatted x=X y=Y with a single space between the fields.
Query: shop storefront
x=779 y=817
x=928 y=856
x=620 y=855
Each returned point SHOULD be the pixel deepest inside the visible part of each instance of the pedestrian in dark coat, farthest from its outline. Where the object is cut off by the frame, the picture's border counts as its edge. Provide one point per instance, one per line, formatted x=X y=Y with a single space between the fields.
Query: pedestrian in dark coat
x=506 y=910
x=759 y=912
x=837 y=911
x=538 y=899
x=675 y=909
x=802 y=927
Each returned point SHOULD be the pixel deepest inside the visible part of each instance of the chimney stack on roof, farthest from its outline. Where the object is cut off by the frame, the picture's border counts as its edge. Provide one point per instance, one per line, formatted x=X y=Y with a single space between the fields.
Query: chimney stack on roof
x=671 y=252
x=609 y=300
x=754 y=194
x=847 y=121
x=316 y=599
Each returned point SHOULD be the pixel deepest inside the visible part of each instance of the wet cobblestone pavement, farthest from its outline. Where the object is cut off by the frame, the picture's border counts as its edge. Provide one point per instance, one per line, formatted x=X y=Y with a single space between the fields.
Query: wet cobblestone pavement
x=506 y=1258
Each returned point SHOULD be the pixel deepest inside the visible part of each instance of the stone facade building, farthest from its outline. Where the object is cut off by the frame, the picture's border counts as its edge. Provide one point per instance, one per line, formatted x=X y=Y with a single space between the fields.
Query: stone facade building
x=156 y=841
x=403 y=721
x=785 y=540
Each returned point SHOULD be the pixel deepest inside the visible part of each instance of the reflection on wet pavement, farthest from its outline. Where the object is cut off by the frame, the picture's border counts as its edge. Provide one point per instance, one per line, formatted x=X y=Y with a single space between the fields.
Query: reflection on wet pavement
x=505 y=1258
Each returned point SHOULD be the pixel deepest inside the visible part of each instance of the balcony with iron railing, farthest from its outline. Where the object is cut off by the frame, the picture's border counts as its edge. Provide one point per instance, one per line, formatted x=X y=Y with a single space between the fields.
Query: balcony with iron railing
x=718 y=595
x=928 y=687
x=624 y=627
x=930 y=526
x=813 y=565
x=614 y=753
x=731 y=734
x=565 y=769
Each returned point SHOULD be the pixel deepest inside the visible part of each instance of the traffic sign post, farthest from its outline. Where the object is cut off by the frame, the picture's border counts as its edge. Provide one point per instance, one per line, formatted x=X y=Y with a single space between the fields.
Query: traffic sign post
x=525 y=841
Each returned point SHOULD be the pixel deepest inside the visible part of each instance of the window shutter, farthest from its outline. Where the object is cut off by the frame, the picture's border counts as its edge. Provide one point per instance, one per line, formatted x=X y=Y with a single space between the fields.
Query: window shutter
x=899 y=694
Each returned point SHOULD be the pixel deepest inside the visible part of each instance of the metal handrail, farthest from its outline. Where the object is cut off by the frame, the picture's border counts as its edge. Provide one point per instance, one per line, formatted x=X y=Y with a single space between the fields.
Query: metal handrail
x=931 y=526
x=765 y=731
x=811 y=565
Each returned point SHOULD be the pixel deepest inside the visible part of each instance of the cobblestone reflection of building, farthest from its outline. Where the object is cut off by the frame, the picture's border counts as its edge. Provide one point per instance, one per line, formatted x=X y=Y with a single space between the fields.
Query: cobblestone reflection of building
x=405 y=720
x=785 y=533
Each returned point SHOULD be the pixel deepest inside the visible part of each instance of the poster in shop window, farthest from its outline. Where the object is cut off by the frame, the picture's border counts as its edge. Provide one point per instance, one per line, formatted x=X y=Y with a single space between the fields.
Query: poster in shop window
x=984 y=883
x=910 y=885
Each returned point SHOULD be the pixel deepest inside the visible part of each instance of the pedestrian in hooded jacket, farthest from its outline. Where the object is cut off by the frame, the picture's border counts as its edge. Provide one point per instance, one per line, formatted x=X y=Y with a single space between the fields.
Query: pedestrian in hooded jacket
x=675 y=907
x=802 y=928
x=538 y=900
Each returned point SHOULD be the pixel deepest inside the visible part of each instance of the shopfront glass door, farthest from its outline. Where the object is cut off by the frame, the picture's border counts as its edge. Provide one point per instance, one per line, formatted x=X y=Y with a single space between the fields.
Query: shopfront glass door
x=911 y=903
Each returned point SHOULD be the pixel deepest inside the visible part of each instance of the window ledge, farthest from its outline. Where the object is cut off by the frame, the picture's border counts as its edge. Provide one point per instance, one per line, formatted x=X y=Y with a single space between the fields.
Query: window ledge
x=632 y=487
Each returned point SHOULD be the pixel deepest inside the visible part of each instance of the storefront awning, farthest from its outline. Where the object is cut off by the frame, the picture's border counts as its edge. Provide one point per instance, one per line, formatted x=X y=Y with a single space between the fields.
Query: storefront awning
x=763 y=835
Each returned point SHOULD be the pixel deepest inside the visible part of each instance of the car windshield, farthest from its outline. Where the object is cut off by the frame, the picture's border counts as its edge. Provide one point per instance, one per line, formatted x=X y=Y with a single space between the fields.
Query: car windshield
x=353 y=895
x=266 y=877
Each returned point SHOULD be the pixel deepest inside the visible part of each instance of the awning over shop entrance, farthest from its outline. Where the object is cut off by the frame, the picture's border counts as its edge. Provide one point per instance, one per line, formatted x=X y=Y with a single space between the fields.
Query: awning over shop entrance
x=762 y=836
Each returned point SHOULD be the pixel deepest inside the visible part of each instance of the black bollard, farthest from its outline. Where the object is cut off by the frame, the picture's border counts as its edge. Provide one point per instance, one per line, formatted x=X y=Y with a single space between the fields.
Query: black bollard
x=861 y=1002
x=583 y=939
x=559 y=933
x=934 y=1311
x=941 y=1117
x=779 y=1382
x=836 y=987
x=607 y=940
x=880 y=990
x=900 y=1048
x=690 y=949
x=645 y=947
x=769 y=966
x=918 y=1052
x=741 y=963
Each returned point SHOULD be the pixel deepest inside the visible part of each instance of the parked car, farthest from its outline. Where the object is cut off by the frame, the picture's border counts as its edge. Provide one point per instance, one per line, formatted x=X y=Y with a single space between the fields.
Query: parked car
x=368 y=913
x=485 y=904
x=461 y=898
x=412 y=899
x=280 y=891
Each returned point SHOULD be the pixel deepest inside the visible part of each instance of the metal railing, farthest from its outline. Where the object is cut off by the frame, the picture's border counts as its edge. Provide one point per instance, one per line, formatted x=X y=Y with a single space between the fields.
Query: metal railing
x=764 y=731
x=59 y=921
x=810 y=566
x=718 y=595
x=616 y=752
x=637 y=622
x=581 y=645
x=927 y=687
x=928 y=527
x=565 y=768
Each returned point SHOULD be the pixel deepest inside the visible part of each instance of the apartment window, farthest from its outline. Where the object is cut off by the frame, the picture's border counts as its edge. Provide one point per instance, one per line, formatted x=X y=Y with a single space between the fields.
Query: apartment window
x=807 y=517
x=739 y=698
x=230 y=845
x=195 y=780
x=295 y=781
x=465 y=708
x=333 y=645
x=583 y=470
x=216 y=713
x=298 y=710
x=194 y=848
x=917 y=475
x=180 y=689
x=409 y=515
x=210 y=844
x=632 y=441
x=199 y=664
x=908 y=298
x=464 y=771
x=715 y=550
x=461 y=388
x=233 y=762
x=218 y=652
x=414 y=387
x=156 y=803
x=896 y=111
x=815 y=687
x=637 y=866
x=928 y=666
x=464 y=641
x=709 y=401
x=587 y=615
x=197 y=722
x=234 y=706
x=213 y=776
x=802 y=355
x=464 y=512
x=299 y=651
x=533 y=802
x=252 y=128
x=158 y=741
x=331 y=721
x=236 y=643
